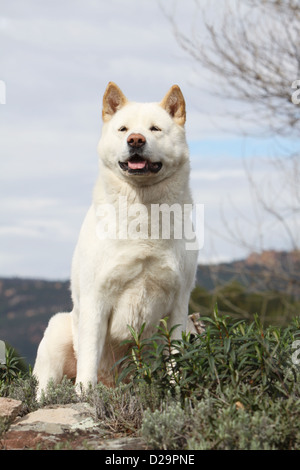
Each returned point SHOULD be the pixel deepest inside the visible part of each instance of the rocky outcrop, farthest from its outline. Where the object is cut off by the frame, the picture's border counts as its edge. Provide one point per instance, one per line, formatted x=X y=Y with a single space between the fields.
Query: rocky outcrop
x=72 y=427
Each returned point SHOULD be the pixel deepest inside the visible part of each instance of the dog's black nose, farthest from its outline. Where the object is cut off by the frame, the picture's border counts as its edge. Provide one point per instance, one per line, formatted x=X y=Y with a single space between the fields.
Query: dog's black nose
x=136 y=140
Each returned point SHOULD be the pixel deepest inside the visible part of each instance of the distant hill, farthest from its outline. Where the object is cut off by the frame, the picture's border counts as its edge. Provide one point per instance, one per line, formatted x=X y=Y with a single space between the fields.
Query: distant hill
x=268 y=271
x=26 y=305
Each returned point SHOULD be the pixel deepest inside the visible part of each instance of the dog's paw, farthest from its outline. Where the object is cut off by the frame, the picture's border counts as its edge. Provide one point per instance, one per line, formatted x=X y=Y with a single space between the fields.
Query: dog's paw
x=83 y=387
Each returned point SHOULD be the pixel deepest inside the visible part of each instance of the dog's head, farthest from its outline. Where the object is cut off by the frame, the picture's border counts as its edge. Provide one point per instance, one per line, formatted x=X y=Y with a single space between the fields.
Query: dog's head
x=143 y=142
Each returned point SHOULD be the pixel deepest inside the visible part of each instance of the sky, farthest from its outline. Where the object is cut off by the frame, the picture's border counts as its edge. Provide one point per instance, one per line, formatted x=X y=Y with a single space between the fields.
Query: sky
x=56 y=59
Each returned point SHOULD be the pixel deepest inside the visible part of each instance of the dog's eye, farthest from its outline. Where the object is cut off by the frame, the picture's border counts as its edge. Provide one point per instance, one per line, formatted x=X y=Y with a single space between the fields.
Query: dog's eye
x=123 y=129
x=155 y=129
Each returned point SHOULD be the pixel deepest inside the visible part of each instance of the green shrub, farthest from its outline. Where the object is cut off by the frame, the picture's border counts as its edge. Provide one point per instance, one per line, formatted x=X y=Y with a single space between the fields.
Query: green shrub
x=24 y=389
x=59 y=394
x=165 y=428
x=14 y=366
x=222 y=422
x=227 y=352
x=119 y=409
x=232 y=387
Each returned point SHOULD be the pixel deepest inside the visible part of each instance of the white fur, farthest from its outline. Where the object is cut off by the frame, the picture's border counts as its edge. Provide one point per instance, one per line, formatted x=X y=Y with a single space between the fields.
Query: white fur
x=117 y=282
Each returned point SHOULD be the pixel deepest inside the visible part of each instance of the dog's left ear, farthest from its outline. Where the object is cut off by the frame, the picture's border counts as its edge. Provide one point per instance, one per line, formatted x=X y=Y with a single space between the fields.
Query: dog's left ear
x=174 y=104
x=113 y=100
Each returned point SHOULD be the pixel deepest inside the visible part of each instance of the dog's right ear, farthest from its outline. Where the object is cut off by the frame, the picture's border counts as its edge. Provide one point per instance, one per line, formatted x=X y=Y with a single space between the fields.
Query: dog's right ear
x=113 y=100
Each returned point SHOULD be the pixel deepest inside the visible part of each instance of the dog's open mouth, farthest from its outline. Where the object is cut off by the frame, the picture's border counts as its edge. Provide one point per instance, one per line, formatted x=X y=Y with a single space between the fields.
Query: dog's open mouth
x=138 y=165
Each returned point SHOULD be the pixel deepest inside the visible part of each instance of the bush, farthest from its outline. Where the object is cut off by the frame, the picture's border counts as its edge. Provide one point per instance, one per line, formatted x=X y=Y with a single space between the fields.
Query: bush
x=225 y=353
x=165 y=427
x=232 y=387
x=59 y=394
x=24 y=389
x=222 y=422
x=119 y=409
x=14 y=366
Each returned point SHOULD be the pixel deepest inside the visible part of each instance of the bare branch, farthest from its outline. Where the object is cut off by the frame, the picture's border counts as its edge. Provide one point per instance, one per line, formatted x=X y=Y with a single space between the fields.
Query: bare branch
x=254 y=53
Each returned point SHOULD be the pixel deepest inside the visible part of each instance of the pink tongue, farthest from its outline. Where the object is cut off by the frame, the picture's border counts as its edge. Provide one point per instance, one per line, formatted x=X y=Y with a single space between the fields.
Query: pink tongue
x=137 y=165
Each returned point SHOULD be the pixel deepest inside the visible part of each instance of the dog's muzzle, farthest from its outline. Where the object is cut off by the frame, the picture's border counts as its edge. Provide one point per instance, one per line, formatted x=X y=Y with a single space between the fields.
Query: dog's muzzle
x=137 y=164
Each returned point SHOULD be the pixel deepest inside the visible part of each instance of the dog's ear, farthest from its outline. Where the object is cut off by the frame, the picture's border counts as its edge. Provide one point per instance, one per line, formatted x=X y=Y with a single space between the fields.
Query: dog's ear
x=113 y=100
x=174 y=104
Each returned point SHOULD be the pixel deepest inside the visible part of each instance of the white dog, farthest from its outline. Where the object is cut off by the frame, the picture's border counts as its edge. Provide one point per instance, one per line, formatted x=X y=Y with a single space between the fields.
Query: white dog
x=125 y=270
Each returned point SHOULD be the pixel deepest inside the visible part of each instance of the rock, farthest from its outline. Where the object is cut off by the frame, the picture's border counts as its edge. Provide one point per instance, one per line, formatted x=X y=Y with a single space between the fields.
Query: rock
x=9 y=408
x=58 y=419
x=71 y=426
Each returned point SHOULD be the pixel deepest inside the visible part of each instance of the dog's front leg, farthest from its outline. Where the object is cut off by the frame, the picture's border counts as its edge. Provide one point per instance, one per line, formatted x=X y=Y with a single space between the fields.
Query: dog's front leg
x=92 y=329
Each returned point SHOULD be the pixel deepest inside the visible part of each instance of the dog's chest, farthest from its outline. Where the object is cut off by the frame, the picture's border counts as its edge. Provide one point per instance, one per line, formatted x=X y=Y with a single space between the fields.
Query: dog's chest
x=138 y=267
